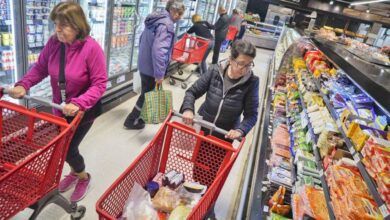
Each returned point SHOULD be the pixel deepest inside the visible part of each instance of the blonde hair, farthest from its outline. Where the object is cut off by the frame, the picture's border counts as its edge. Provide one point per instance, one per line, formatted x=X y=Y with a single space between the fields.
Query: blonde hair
x=72 y=14
x=196 y=18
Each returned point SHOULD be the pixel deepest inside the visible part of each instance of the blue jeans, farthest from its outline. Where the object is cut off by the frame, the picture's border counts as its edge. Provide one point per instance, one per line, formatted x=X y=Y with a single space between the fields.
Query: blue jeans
x=203 y=64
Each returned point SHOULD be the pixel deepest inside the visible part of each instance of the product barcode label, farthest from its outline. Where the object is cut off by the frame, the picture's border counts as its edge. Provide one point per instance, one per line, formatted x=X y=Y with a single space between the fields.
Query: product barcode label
x=384 y=210
x=356 y=157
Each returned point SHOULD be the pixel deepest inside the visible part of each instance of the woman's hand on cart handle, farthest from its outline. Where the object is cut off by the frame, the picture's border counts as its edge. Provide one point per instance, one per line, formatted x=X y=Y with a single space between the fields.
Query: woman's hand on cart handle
x=70 y=109
x=16 y=92
x=188 y=117
x=234 y=134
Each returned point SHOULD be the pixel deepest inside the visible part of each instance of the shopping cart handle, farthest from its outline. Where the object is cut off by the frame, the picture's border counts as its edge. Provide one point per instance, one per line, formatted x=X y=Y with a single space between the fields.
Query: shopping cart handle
x=39 y=100
x=204 y=123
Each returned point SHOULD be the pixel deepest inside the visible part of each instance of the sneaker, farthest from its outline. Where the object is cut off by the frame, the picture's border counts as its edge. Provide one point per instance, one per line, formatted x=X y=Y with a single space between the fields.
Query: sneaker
x=135 y=124
x=68 y=182
x=81 y=189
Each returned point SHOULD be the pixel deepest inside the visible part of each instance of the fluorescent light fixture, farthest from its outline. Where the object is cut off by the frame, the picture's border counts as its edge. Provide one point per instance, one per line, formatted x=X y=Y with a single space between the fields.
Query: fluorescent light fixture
x=368 y=11
x=349 y=6
x=368 y=2
x=331 y=3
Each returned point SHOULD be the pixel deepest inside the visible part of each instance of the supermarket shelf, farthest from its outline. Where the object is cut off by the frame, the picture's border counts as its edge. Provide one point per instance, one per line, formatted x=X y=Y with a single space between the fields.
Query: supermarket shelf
x=371 y=78
x=356 y=156
x=320 y=168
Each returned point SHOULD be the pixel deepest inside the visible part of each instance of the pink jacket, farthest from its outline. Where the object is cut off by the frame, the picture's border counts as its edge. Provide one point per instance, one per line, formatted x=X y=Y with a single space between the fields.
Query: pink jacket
x=85 y=72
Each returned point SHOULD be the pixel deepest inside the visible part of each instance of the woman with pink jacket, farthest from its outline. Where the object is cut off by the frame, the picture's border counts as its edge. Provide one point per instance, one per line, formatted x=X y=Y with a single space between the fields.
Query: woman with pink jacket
x=85 y=82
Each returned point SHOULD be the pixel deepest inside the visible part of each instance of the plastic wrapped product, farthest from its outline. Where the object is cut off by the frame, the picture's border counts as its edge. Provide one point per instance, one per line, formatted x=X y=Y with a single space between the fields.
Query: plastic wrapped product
x=165 y=200
x=180 y=213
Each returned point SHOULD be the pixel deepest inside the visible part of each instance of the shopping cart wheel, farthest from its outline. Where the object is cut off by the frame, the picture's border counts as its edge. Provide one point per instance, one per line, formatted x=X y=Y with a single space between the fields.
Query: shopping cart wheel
x=172 y=81
x=78 y=213
x=180 y=72
x=183 y=85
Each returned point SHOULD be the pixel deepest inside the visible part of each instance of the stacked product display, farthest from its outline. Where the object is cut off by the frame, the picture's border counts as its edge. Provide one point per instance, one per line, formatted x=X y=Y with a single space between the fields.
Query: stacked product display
x=329 y=148
x=95 y=10
x=144 y=8
x=263 y=35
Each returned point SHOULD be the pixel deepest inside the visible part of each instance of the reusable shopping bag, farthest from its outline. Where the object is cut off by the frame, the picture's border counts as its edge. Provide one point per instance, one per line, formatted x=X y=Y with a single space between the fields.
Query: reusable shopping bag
x=157 y=105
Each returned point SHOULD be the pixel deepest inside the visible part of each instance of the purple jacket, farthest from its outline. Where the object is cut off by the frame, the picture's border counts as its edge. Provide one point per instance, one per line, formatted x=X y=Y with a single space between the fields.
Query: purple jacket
x=85 y=72
x=156 y=43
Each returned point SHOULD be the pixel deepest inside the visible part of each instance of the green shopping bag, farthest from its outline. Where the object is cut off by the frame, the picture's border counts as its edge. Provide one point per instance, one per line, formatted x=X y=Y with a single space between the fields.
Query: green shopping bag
x=157 y=105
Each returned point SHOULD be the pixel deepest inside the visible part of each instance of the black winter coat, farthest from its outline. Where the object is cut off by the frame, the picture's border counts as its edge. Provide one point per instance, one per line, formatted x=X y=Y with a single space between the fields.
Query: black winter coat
x=221 y=27
x=224 y=110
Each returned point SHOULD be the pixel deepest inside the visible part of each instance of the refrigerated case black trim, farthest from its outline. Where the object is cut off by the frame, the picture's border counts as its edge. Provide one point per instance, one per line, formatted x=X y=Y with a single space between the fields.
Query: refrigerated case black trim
x=375 y=88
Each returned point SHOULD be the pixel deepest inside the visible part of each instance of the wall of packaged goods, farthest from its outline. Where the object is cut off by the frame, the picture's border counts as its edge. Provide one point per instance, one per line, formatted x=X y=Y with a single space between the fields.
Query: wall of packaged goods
x=116 y=25
x=324 y=153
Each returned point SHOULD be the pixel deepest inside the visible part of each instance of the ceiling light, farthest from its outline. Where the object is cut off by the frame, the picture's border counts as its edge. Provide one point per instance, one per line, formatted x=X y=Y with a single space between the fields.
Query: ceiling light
x=331 y=2
x=368 y=2
x=349 y=6
x=368 y=11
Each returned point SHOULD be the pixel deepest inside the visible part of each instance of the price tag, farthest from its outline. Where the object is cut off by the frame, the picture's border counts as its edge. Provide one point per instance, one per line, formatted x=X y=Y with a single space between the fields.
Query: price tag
x=109 y=84
x=353 y=150
x=120 y=79
x=8 y=22
x=308 y=137
x=338 y=123
x=266 y=209
x=384 y=210
x=356 y=158
x=321 y=173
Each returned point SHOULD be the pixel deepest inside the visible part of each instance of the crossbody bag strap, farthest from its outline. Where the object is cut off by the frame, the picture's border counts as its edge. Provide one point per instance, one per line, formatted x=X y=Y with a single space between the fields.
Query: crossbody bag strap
x=61 y=78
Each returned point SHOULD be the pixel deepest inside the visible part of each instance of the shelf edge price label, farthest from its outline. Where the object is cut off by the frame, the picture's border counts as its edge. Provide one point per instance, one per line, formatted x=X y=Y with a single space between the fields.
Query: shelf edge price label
x=120 y=79
x=338 y=123
x=321 y=173
x=384 y=210
x=109 y=84
x=356 y=158
x=308 y=137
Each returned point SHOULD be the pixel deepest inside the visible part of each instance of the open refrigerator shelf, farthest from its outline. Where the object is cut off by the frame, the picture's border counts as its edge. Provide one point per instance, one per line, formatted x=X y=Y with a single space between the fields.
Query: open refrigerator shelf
x=255 y=206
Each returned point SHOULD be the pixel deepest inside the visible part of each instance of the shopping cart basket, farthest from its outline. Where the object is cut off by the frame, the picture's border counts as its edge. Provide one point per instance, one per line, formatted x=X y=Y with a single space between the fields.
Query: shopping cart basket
x=201 y=158
x=188 y=50
x=32 y=154
x=232 y=32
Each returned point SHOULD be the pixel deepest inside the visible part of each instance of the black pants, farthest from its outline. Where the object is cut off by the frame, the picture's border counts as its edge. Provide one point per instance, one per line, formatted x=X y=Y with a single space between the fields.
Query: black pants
x=73 y=157
x=147 y=84
x=217 y=48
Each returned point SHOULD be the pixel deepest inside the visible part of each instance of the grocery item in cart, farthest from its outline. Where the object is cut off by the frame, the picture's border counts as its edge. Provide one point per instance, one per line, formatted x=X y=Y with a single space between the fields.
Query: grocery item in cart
x=166 y=200
x=139 y=205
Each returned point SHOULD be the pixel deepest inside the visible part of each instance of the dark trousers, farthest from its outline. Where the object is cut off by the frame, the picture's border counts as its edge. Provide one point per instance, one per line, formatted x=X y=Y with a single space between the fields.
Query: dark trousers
x=73 y=157
x=203 y=64
x=241 y=33
x=217 y=47
x=147 y=84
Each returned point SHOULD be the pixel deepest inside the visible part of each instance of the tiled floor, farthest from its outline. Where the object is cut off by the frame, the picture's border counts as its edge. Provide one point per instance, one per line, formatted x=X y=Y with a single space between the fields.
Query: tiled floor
x=109 y=149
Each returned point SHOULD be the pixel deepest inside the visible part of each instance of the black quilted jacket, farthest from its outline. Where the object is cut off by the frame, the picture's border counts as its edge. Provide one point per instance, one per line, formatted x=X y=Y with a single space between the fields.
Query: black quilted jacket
x=224 y=110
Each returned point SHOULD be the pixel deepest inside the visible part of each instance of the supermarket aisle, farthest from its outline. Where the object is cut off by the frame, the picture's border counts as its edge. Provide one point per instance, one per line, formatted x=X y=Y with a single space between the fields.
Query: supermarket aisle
x=109 y=149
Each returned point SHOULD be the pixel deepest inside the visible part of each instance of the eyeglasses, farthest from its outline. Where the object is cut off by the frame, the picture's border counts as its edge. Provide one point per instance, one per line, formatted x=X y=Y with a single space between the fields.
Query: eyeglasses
x=243 y=66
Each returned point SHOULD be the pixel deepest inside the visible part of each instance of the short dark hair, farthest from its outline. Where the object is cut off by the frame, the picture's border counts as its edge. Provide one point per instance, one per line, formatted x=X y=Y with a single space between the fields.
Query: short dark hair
x=242 y=47
x=72 y=14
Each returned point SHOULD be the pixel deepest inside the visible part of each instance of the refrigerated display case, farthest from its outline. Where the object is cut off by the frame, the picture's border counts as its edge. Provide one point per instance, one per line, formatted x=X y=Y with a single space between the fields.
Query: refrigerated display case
x=208 y=9
x=8 y=71
x=96 y=11
x=38 y=29
x=159 y=5
x=185 y=23
x=144 y=9
x=123 y=24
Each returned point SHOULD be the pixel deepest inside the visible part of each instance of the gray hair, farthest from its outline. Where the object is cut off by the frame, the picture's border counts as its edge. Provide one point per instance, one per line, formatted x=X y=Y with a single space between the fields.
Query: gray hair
x=177 y=5
x=244 y=48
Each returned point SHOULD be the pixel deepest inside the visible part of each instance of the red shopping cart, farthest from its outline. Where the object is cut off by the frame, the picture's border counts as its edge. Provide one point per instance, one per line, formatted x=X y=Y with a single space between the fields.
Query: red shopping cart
x=32 y=154
x=188 y=50
x=201 y=158
x=230 y=36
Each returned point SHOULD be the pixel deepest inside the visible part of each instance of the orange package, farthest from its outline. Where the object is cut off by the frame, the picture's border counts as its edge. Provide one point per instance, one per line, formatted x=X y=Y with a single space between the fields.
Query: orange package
x=363 y=208
x=317 y=203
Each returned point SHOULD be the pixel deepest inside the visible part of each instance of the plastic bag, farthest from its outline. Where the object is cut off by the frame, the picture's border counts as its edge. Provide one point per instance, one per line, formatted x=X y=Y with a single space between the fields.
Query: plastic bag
x=137 y=85
x=165 y=200
x=139 y=205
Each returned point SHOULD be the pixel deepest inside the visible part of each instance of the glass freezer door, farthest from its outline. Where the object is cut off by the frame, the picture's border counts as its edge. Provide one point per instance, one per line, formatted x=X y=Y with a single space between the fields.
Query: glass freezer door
x=212 y=11
x=123 y=23
x=96 y=11
x=185 y=23
x=144 y=9
x=39 y=29
x=8 y=67
x=159 y=5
